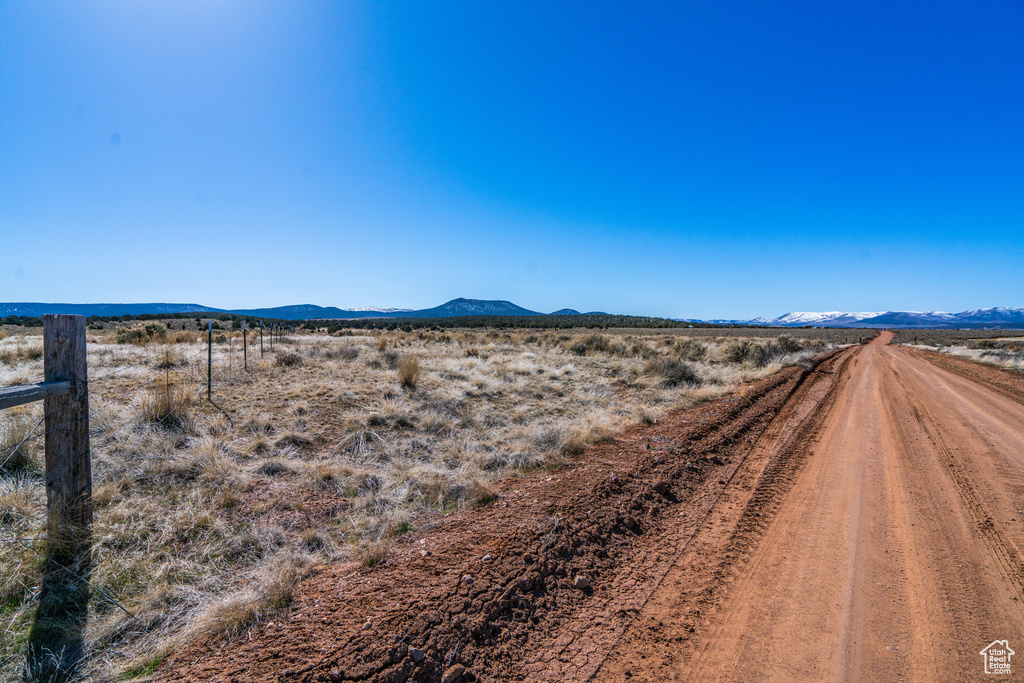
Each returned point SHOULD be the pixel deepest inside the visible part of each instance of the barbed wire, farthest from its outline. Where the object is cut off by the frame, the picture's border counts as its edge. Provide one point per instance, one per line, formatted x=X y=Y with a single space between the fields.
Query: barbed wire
x=70 y=571
x=146 y=362
x=32 y=436
x=107 y=432
x=23 y=442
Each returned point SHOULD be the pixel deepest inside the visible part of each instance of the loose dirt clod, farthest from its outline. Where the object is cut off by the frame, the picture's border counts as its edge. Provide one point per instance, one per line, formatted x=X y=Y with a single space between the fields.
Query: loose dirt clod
x=453 y=674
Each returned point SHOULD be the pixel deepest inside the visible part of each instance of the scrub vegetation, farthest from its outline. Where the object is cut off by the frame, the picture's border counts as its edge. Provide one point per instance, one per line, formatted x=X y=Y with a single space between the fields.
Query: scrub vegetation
x=1003 y=348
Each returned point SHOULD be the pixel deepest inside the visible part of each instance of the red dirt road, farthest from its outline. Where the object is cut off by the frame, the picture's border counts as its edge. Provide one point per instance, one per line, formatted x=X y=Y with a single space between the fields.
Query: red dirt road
x=895 y=555
x=860 y=521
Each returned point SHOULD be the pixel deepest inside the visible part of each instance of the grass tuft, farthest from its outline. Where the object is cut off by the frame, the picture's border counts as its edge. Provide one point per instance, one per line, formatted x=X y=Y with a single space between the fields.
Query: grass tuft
x=169 y=407
x=409 y=372
x=17 y=452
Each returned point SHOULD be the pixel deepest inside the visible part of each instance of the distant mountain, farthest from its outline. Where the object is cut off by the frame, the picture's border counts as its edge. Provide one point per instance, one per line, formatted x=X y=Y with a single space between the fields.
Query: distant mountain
x=1013 y=316
x=800 y=319
x=453 y=308
x=910 y=319
x=305 y=312
x=996 y=318
x=463 y=307
x=827 y=319
x=377 y=309
x=983 y=318
x=34 y=310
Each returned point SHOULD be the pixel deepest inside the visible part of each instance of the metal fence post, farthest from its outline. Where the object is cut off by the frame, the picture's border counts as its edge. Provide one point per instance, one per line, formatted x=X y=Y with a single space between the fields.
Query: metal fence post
x=209 y=360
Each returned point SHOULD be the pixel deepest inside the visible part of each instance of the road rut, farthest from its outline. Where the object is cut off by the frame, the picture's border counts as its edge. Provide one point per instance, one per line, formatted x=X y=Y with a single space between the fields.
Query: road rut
x=895 y=553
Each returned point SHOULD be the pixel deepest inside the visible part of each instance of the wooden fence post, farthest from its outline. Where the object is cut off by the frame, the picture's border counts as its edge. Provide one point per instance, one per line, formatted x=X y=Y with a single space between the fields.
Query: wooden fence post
x=68 y=461
x=56 y=641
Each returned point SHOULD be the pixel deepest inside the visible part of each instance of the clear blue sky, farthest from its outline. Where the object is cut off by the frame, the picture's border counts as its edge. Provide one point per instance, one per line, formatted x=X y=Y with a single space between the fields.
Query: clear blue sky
x=712 y=159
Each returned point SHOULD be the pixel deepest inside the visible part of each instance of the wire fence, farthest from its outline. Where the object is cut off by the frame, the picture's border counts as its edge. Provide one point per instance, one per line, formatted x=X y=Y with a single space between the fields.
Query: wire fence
x=103 y=434
x=192 y=359
x=110 y=402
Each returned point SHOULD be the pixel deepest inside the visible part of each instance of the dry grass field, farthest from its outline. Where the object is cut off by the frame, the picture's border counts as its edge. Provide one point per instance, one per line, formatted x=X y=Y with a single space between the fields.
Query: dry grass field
x=326 y=449
x=1002 y=348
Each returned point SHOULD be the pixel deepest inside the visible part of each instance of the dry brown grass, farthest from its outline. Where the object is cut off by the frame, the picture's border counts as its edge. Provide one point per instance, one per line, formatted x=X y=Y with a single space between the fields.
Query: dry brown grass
x=207 y=516
x=19 y=450
x=409 y=372
x=13 y=354
x=1005 y=350
x=272 y=588
x=169 y=406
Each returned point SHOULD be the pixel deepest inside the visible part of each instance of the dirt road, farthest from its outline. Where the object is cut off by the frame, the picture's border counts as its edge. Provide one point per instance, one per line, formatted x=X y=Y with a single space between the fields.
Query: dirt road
x=895 y=555
x=862 y=520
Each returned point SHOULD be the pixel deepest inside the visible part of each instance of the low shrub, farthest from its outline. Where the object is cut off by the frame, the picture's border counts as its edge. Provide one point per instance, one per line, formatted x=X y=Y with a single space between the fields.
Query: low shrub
x=787 y=344
x=691 y=349
x=597 y=342
x=141 y=333
x=343 y=353
x=287 y=360
x=672 y=372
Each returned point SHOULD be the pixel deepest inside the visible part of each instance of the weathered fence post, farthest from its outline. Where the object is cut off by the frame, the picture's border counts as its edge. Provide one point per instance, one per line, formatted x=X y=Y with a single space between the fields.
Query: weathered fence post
x=56 y=640
x=68 y=467
x=245 y=349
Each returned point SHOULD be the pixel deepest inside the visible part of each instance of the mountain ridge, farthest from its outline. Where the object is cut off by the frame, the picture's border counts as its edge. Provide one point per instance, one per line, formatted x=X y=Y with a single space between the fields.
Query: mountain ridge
x=996 y=317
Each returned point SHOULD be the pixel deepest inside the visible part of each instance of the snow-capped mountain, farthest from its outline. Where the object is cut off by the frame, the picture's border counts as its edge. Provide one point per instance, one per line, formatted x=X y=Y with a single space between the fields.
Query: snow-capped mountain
x=910 y=319
x=801 y=318
x=986 y=317
x=378 y=309
x=999 y=314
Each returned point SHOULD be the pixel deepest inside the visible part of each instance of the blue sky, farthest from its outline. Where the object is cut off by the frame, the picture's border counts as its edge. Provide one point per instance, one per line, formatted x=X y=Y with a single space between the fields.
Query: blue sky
x=725 y=159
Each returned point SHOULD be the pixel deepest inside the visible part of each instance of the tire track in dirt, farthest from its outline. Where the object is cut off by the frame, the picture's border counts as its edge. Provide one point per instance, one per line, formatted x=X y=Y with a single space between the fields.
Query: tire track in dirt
x=664 y=635
x=737 y=491
x=1005 y=551
x=894 y=553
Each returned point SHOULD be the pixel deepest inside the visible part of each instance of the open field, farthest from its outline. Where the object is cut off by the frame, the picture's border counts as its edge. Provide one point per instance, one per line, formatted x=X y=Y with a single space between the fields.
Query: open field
x=329 y=449
x=1003 y=348
x=869 y=507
